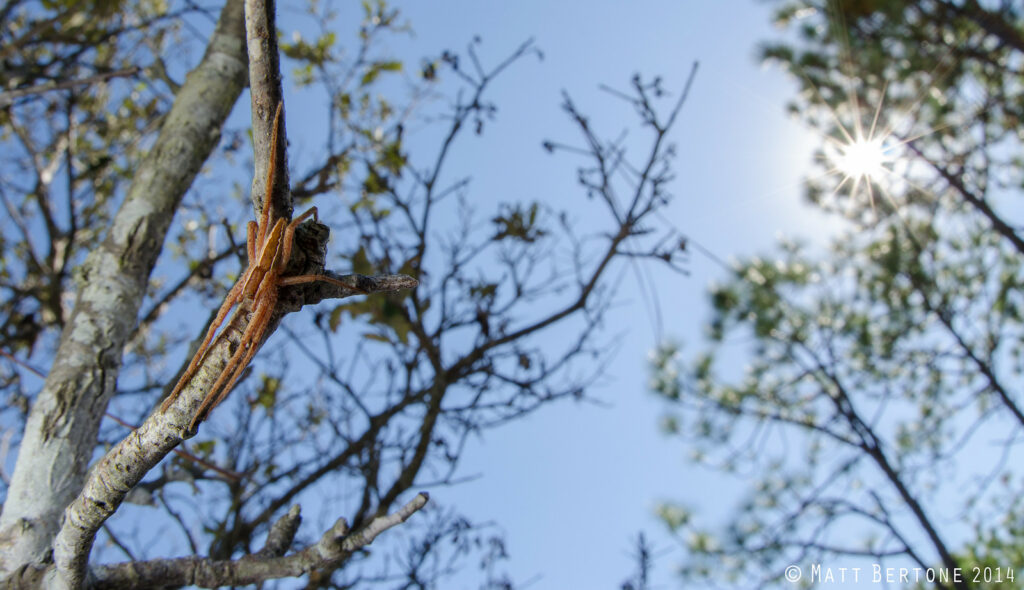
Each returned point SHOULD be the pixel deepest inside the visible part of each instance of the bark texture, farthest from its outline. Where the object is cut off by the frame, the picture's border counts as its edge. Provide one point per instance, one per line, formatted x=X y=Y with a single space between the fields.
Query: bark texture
x=60 y=434
x=265 y=94
x=127 y=463
x=54 y=511
x=335 y=547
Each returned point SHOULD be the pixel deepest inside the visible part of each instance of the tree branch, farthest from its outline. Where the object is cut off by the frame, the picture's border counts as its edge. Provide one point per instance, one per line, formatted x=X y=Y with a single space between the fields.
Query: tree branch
x=266 y=93
x=976 y=201
x=9 y=97
x=335 y=546
x=124 y=466
x=62 y=428
x=128 y=462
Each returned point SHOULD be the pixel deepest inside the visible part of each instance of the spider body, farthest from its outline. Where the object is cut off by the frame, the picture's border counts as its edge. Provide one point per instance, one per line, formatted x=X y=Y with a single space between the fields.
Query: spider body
x=254 y=296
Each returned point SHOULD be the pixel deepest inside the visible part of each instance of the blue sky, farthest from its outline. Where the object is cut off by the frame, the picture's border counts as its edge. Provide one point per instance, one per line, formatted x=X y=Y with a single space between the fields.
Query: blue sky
x=573 y=484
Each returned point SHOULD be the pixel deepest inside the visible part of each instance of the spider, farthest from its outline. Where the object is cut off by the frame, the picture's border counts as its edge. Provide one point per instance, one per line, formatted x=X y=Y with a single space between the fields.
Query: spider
x=269 y=245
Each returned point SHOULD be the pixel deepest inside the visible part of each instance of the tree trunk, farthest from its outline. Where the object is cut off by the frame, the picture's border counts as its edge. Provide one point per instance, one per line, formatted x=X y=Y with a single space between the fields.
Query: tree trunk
x=61 y=431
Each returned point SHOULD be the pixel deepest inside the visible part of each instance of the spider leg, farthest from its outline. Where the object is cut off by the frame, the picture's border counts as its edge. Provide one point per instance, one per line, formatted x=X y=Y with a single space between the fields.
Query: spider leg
x=289 y=236
x=197 y=359
x=252 y=232
x=248 y=345
x=271 y=169
x=286 y=253
x=233 y=297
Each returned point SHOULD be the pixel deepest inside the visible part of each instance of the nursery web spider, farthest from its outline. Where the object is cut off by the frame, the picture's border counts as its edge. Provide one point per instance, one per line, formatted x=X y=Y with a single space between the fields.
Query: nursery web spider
x=269 y=245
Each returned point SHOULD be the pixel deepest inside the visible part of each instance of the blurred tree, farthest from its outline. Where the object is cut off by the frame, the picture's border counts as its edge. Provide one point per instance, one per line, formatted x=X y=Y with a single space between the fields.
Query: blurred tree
x=644 y=558
x=880 y=392
x=103 y=134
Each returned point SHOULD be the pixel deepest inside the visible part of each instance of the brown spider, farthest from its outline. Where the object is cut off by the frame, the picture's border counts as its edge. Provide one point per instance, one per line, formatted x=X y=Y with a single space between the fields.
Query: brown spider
x=269 y=246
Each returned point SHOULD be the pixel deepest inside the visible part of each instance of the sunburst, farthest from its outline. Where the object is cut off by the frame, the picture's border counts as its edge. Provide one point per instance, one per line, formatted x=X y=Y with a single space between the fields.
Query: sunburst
x=870 y=157
x=864 y=158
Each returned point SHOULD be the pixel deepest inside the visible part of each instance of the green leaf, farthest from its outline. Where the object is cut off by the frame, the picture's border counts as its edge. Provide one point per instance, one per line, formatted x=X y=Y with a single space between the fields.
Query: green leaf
x=375 y=69
x=518 y=222
x=334 y=320
x=267 y=395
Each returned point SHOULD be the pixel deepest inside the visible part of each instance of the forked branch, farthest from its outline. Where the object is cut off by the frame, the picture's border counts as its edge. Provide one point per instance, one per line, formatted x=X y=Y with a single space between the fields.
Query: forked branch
x=259 y=308
x=335 y=546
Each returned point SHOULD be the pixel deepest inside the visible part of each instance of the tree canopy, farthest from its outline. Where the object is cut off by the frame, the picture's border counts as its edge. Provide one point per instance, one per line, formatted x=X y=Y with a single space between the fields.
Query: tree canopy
x=873 y=390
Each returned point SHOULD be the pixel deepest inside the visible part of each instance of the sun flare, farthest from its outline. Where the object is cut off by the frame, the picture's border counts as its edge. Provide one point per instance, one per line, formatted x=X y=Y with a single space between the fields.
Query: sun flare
x=864 y=159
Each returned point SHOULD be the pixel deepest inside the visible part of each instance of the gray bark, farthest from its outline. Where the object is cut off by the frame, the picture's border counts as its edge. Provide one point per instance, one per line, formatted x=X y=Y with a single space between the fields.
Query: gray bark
x=61 y=431
x=124 y=466
x=335 y=547
x=54 y=511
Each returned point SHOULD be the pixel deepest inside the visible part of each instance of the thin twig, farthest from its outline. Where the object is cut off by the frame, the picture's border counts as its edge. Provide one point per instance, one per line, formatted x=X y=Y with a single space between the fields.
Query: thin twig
x=23 y=364
x=10 y=96
x=335 y=547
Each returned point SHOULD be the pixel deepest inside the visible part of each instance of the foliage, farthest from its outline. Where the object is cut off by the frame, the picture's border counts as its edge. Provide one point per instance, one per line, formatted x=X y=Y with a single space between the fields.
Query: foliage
x=940 y=77
x=877 y=377
x=67 y=162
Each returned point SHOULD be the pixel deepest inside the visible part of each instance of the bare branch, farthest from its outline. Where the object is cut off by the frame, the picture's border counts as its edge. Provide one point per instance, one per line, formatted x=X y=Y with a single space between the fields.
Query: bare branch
x=10 y=96
x=62 y=428
x=265 y=91
x=335 y=547
x=282 y=533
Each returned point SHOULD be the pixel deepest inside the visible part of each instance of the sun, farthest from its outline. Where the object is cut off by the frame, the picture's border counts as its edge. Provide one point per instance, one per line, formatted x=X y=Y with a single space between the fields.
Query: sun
x=867 y=155
x=863 y=162
x=863 y=159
